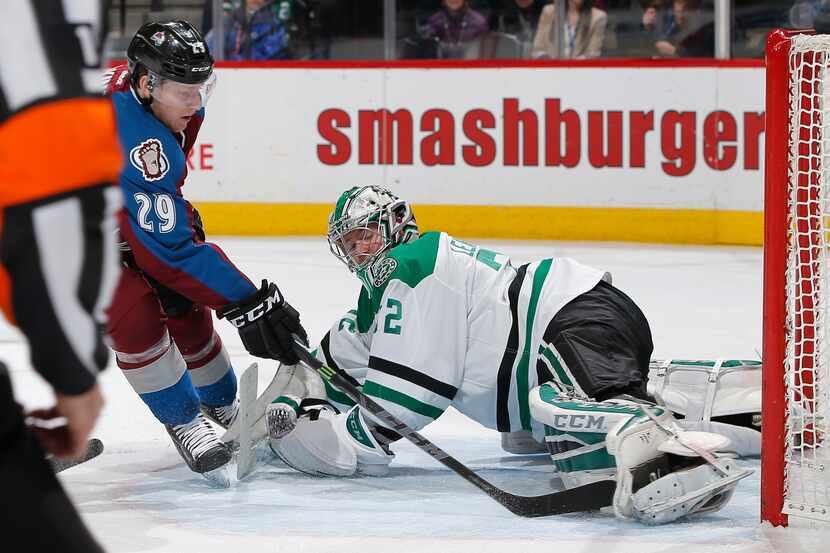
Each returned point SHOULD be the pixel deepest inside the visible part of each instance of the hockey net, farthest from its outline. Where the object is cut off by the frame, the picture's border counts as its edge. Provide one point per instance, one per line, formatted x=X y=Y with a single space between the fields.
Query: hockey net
x=796 y=446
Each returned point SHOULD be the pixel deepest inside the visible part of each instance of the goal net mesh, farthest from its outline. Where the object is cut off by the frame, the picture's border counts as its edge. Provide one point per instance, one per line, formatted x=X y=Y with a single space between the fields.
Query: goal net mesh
x=807 y=354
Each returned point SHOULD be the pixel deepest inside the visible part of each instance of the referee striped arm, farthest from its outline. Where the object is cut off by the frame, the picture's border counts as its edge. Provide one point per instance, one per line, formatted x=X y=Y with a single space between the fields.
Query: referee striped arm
x=49 y=49
x=61 y=258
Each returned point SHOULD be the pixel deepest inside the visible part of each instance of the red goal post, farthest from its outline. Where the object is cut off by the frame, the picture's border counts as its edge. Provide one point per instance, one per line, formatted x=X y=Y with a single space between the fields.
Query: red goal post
x=795 y=464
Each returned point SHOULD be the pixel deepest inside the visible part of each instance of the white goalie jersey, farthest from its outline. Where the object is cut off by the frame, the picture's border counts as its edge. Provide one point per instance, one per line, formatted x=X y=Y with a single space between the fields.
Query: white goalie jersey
x=446 y=323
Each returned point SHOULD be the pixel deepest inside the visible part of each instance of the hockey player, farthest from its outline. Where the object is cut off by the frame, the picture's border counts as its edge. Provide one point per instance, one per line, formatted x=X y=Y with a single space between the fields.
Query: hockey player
x=160 y=322
x=59 y=160
x=551 y=348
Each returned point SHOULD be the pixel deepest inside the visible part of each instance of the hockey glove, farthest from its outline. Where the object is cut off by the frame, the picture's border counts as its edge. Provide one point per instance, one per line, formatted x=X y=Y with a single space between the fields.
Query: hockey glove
x=326 y=444
x=198 y=226
x=265 y=322
x=125 y=251
x=173 y=303
x=283 y=412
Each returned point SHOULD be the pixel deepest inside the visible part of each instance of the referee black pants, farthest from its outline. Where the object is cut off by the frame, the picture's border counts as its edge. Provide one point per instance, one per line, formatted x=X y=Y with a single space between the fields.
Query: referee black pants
x=35 y=511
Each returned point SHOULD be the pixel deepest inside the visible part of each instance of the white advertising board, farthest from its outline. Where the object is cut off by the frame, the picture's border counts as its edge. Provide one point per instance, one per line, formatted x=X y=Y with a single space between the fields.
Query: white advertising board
x=634 y=137
x=662 y=137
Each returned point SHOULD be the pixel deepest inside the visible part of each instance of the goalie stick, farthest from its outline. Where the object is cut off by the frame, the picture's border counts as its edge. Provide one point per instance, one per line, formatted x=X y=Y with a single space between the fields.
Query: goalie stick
x=246 y=458
x=94 y=448
x=278 y=383
x=584 y=498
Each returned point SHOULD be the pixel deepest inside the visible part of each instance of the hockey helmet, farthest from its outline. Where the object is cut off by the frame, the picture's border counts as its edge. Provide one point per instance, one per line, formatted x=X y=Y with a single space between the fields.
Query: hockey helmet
x=369 y=214
x=177 y=60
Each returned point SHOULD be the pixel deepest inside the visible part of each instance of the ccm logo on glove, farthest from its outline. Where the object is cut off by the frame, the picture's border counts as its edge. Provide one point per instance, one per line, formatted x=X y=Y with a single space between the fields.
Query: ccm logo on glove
x=267 y=324
x=275 y=298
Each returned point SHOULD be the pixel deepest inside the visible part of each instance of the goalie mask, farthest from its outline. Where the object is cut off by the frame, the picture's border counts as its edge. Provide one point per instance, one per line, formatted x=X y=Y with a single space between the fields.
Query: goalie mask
x=367 y=222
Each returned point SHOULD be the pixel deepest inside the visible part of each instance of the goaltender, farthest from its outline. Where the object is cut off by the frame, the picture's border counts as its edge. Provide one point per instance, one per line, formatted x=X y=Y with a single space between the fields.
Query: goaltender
x=550 y=348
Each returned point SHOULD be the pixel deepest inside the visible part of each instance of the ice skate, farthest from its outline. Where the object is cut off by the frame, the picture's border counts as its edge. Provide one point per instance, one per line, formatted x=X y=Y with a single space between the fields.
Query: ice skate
x=202 y=450
x=223 y=415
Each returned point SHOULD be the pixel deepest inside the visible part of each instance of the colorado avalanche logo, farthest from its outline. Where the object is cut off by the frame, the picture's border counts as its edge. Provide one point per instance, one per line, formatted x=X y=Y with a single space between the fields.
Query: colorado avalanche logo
x=148 y=157
x=158 y=38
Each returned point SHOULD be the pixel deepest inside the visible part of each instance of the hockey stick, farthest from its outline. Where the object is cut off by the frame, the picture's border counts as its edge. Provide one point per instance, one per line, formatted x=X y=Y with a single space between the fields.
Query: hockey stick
x=584 y=498
x=94 y=448
x=245 y=458
x=277 y=385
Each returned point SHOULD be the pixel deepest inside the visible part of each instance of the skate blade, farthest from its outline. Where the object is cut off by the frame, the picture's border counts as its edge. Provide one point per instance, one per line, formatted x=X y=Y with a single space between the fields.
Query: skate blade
x=218 y=477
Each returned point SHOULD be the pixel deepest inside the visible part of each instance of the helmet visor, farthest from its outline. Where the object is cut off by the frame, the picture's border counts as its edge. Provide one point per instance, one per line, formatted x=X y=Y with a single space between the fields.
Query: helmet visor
x=358 y=247
x=181 y=95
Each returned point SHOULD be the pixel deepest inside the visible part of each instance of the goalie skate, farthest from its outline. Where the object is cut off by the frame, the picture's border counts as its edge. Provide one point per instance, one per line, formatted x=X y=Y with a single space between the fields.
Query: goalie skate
x=695 y=491
x=201 y=449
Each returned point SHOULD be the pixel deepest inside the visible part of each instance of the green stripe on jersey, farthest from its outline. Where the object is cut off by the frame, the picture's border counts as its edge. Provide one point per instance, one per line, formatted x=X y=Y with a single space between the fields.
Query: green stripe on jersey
x=549 y=394
x=336 y=395
x=522 y=377
x=557 y=366
x=379 y=391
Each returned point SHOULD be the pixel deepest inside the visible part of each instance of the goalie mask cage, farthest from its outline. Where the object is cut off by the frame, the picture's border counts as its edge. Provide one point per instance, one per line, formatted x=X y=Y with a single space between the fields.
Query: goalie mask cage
x=795 y=469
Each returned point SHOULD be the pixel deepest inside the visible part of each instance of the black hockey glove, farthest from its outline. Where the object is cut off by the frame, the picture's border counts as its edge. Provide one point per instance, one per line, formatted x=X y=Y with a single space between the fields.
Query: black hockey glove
x=266 y=322
x=198 y=226
x=125 y=251
x=173 y=303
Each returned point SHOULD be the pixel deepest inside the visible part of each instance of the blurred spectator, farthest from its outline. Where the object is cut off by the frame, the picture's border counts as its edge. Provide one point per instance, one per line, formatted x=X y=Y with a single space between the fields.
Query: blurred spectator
x=310 y=29
x=584 y=32
x=683 y=31
x=257 y=30
x=520 y=18
x=804 y=12
x=455 y=27
x=207 y=14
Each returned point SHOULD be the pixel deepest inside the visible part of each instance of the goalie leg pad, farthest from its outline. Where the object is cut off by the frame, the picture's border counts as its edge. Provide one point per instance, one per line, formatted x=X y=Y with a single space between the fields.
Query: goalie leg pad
x=693 y=491
x=635 y=443
x=576 y=430
x=705 y=390
x=521 y=442
x=743 y=442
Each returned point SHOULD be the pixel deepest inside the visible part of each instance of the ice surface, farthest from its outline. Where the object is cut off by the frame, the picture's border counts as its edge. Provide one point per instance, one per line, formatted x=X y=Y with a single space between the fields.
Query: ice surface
x=702 y=302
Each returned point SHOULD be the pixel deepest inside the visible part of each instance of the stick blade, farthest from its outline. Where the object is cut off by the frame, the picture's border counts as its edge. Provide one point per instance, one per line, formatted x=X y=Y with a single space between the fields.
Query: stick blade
x=590 y=497
x=245 y=459
x=94 y=448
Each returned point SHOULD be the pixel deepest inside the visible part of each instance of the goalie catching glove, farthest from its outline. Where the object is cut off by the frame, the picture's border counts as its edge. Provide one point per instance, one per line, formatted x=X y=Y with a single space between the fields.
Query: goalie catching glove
x=266 y=322
x=326 y=443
